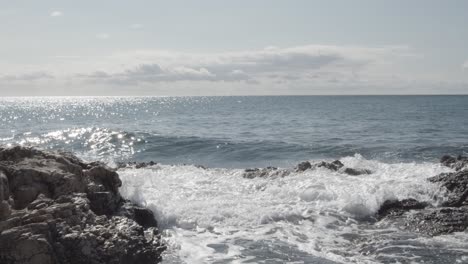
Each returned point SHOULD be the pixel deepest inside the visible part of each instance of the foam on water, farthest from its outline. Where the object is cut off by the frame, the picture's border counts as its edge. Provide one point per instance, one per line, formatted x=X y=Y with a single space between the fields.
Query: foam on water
x=217 y=216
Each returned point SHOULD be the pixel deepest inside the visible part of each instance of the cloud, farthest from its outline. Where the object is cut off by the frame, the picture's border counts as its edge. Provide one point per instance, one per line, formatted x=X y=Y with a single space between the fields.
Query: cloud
x=271 y=70
x=332 y=64
x=56 y=14
x=465 y=65
x=26 y=77
x=102 y=36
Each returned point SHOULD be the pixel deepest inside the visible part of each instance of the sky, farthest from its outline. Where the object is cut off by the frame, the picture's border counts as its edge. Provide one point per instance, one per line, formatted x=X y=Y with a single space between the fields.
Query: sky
x=213 y=47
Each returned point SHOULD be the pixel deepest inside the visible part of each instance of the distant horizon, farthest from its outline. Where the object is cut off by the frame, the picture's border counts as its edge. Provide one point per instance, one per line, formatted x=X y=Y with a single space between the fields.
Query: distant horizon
x=246 y=95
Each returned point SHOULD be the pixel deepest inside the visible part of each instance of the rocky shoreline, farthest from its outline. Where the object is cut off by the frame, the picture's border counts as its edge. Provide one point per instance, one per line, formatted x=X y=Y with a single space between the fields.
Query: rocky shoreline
x=54 y=208
x=408 y=214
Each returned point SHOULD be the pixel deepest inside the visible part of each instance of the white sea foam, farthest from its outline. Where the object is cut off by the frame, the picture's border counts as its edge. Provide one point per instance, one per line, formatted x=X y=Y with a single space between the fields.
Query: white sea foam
x=216 y=215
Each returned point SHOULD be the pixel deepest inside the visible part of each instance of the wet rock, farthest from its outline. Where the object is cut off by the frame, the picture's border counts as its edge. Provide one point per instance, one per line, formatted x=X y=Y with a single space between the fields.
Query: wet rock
x=458 y=163
x=456 y=184
x=264 y=172
x=451 y=216
x=397 y=207
x=437 y=221
x=136 y=165
x=54 y=208
x=356 y=172
x=303 y=166
x=334 y=166
x=142 y=216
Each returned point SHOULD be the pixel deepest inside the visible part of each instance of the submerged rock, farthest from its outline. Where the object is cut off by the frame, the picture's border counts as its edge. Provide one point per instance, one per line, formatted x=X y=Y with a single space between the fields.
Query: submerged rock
x=57 y=209
x=264 y=172
x=333 y=166
x=136 y=165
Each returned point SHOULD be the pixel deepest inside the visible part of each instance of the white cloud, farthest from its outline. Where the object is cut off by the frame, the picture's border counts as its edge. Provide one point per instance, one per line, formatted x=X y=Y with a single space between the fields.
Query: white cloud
x=26 y=77
x=272 y=70
x=56 y=14
x=102 y=36
x=330 y=64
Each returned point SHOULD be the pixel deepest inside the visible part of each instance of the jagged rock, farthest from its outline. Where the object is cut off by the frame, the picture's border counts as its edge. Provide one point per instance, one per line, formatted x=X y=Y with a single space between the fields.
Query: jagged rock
x=456 y=183
x=334 y=166
x=451 y=216
x=264 y=172
x=457 y=163
x=54 y=208
x=303 y=166
x=397 y=208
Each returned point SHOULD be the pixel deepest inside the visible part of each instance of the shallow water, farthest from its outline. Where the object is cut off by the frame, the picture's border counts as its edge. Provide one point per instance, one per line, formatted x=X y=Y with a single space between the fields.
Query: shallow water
x=214 y=215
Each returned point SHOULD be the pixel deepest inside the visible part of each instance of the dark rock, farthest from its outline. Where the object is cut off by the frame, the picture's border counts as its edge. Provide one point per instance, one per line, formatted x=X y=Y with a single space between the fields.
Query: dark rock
x=303 y=166
x=334 y=166
x=456 y=183
x=136 y=165
x=142 y=216
x=356 y=172
x=419 y=217
x=264 y=172
x=437 y=221
x=54 y=208
x=457 y=163
x=397 y=208
x=451 y=216
x=201 y=167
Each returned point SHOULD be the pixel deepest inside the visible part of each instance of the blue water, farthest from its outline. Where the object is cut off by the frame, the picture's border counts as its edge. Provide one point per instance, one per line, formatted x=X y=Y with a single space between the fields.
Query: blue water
x=241 y=131
x=215 y=215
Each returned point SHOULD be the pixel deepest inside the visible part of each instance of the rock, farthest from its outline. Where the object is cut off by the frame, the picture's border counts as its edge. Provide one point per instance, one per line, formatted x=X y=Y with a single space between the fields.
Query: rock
x=409 y=214
x=54 y=208
x=334 y=166
x=356 y=172
x=303 y=166
x=451 y=216
x=456 y=183
x=437 y=221
x=142 y=216
x=264 y=172
x=136 y=165
x=458 y=163
x=397 y=208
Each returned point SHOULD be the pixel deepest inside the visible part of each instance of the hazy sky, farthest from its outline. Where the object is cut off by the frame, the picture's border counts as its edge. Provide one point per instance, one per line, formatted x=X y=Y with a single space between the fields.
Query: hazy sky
x=217 y=47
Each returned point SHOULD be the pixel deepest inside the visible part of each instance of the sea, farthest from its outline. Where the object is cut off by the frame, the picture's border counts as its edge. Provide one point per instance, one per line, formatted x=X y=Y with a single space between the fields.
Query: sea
x=212 y=214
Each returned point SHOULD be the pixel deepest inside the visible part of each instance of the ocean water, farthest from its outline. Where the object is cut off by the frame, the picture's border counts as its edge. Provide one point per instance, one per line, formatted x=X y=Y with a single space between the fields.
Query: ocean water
x=214 y=215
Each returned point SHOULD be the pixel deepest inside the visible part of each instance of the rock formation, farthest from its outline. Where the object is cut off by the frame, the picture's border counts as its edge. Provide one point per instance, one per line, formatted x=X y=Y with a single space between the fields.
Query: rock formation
x=54 y=208
x=301 y=167
x=451 y=216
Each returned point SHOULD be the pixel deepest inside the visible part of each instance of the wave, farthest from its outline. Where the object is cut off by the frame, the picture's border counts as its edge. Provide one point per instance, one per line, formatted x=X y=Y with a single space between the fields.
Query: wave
x=316 y=216
x=113 y=145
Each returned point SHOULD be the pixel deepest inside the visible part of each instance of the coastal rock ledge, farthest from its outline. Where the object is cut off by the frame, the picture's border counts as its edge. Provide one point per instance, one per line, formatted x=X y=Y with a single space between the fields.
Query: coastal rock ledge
x=54 y=208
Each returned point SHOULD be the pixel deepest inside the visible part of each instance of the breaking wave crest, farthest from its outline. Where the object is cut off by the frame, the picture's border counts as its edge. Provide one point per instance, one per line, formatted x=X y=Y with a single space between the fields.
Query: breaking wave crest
x=316 y=216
